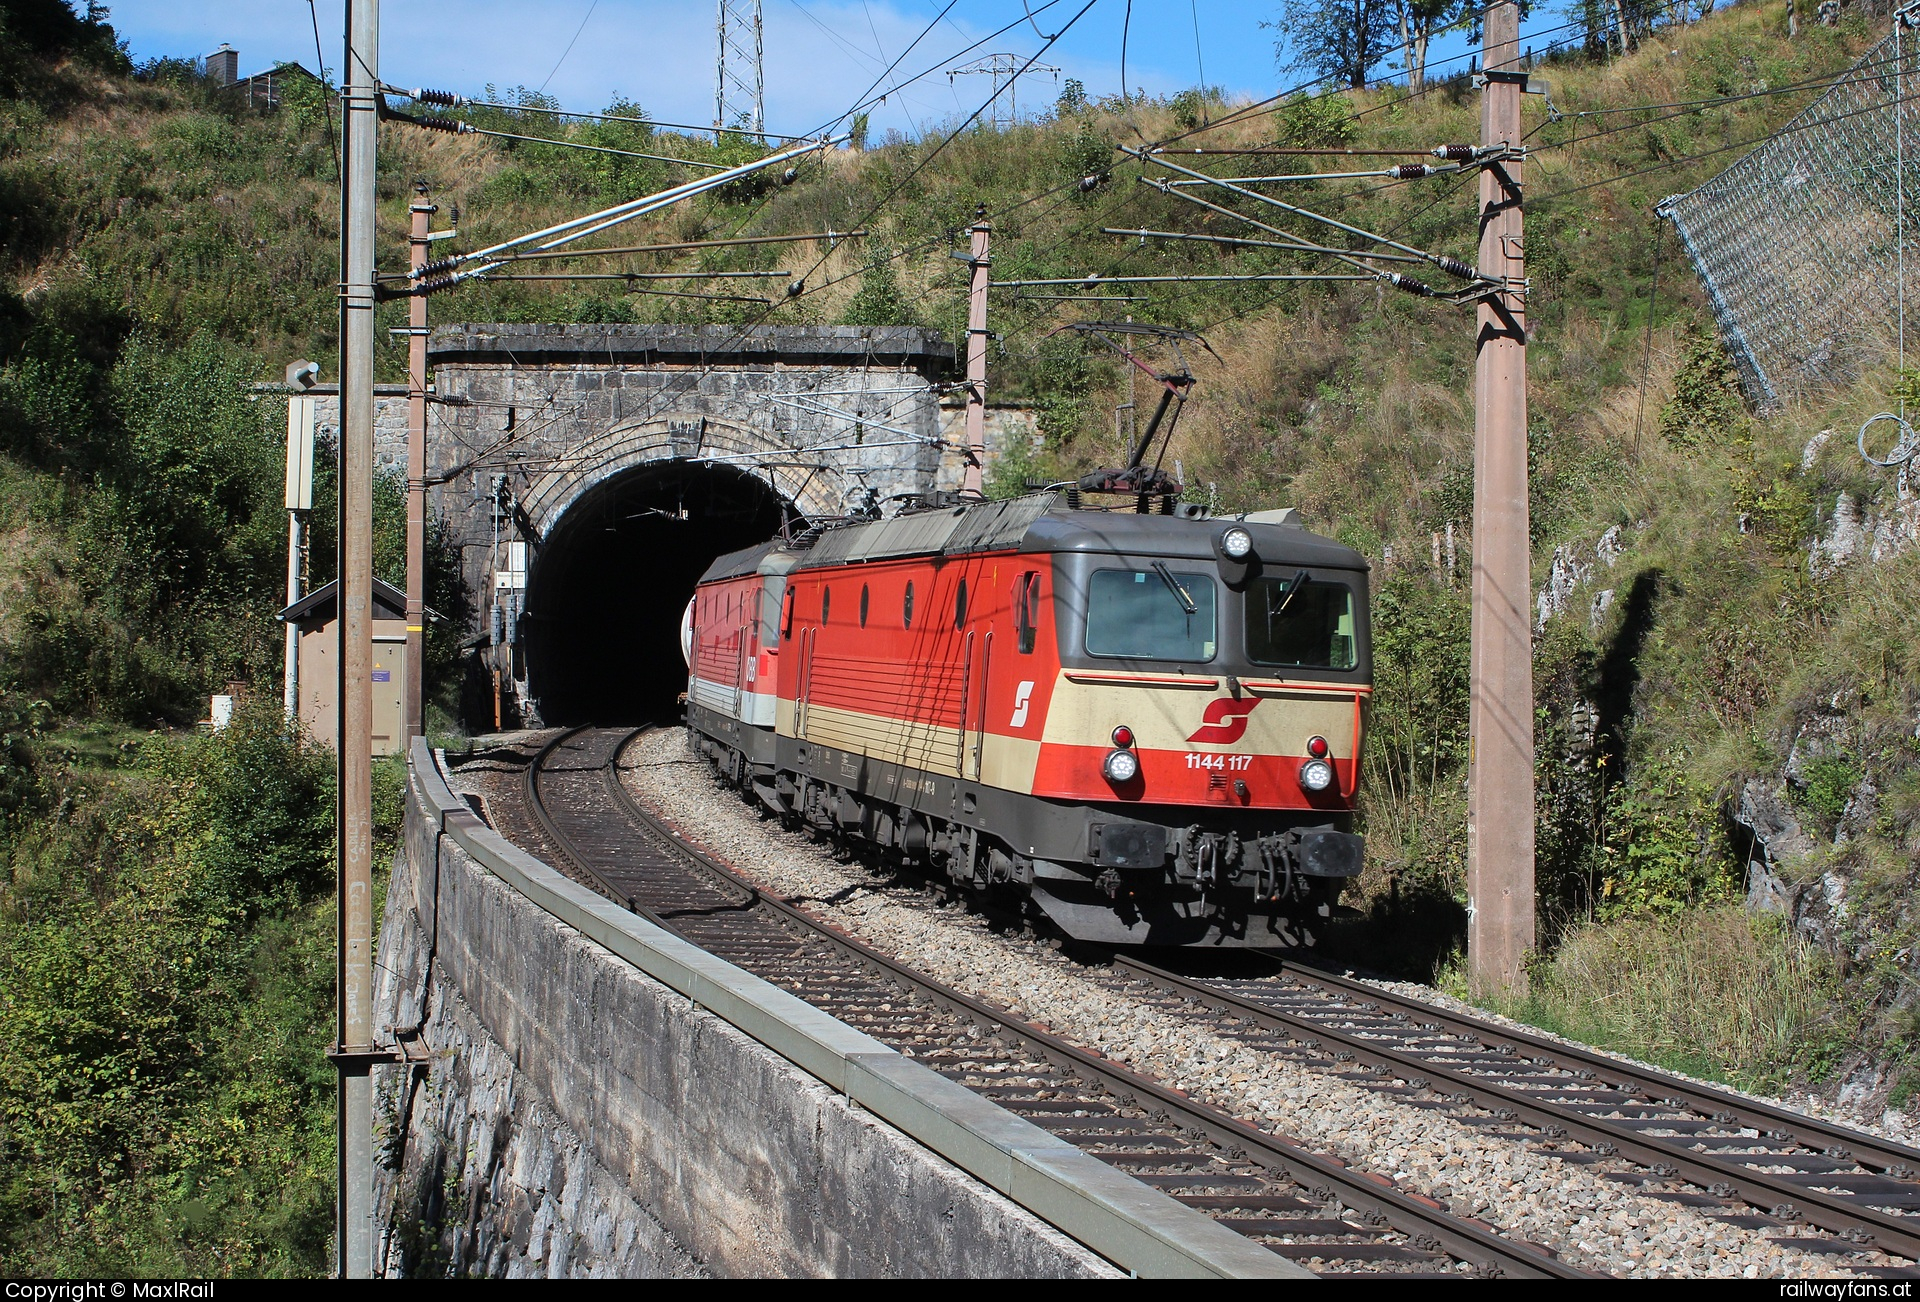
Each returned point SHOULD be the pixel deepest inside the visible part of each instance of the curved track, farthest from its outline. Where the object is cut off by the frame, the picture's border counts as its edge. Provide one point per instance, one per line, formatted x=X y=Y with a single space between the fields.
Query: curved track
x=1757 y=1166
x=1300 y=1204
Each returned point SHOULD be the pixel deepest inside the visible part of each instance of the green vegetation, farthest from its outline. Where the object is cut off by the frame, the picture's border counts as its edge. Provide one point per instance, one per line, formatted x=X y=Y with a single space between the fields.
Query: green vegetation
x=167 y=963
x=163 y=249
x=1718 y=993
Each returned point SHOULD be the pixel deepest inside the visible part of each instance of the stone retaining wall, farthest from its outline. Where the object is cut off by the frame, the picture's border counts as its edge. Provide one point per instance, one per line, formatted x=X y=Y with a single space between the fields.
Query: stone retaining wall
x=578 y=1117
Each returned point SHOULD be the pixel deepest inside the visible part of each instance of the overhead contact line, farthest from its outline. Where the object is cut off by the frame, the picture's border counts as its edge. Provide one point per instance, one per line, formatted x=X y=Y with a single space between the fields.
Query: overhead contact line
x=687 y=245
x=455 y=127
x=447 y=99
x=1709 y=153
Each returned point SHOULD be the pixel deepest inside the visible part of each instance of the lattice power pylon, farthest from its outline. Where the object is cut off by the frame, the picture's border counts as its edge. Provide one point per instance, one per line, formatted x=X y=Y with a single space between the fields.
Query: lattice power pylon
x=1005 y=69
x=739 y=85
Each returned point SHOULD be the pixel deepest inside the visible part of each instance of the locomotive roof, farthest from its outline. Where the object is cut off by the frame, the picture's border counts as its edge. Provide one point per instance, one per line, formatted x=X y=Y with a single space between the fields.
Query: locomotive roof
x=1039 y=522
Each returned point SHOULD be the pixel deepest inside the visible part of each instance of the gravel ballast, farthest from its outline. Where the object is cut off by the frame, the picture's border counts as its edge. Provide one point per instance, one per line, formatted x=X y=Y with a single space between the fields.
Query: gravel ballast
x=1573 y=1208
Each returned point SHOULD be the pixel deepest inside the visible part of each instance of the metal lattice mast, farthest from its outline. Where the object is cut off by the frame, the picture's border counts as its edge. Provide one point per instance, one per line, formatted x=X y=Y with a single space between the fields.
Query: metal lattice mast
x=1005 y=69
x=739 y=80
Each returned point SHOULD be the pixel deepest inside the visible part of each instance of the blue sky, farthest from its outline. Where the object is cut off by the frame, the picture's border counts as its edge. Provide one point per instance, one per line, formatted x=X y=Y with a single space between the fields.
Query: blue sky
x=820 y=54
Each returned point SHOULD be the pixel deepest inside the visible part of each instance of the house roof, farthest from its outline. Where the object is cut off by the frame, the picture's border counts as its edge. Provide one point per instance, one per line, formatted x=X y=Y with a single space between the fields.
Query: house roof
x=320 y=605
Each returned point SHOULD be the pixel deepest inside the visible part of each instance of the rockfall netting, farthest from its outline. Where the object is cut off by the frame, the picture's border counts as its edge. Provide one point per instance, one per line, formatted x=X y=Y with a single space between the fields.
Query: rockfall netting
x=1798 y=243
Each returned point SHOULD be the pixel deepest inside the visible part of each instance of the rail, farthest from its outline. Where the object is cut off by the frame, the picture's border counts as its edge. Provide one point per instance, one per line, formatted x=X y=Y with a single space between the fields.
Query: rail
x=1133 y=1226
x=1566 y=1091
x=616 y=869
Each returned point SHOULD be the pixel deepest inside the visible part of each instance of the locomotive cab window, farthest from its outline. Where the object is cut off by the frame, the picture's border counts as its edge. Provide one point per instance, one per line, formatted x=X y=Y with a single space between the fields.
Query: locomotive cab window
x=1153 y=614
x=1026 y=610
x=1300 y=621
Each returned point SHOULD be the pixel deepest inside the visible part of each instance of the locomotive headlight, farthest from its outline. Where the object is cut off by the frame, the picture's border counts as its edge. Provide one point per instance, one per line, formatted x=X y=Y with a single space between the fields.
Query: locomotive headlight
x=1236 y=544
x=1121 y=767
x=1316 y=775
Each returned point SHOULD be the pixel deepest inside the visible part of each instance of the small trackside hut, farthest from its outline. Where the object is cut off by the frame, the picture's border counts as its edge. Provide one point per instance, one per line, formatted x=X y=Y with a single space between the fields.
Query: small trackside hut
x=1149 y=726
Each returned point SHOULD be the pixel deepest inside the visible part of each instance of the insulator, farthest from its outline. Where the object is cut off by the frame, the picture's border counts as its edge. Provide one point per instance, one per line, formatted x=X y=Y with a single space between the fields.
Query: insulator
x=435 y=268
x=796 y=289
x=1455 y=267
x=434 y=285
x=1454 y=153
x=444 y=98
x=449 y=125
x=1411 y=171
x=1088 y=184
x=789 y=176
x=1409 y=285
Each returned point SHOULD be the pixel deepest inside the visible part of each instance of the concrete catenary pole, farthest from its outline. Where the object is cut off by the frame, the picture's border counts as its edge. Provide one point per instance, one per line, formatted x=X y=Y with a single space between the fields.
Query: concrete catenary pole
x=417 y=471
x=1500 y=928
x=354 y=814
x=977 y=352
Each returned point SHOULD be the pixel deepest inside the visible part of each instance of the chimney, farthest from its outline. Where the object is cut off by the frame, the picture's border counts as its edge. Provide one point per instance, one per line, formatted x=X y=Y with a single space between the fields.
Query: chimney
x=223 y=65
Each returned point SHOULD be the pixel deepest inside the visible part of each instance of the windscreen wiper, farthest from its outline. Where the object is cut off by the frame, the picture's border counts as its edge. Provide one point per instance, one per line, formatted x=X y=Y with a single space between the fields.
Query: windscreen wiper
x=1294 y=585
x=1173 y=584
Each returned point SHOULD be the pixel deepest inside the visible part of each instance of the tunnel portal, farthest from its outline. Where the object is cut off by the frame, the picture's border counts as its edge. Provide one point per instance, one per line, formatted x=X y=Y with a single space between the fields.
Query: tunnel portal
x=607 y=589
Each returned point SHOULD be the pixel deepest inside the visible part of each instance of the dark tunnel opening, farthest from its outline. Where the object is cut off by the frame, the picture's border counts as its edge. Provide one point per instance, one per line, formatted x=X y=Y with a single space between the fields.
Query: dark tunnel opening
x=601 y=632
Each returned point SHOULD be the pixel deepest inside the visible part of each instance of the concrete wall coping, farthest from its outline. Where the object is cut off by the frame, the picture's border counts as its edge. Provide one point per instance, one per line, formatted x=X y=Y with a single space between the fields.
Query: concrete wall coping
x=618 y=344
x=1134 y=1226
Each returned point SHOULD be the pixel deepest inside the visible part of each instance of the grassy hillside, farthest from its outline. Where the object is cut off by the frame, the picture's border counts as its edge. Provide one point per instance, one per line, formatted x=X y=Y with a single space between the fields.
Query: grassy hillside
x=166 y=247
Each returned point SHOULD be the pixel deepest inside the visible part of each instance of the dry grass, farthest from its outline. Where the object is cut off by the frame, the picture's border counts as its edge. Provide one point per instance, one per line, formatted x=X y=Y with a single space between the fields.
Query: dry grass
x=1717 y=992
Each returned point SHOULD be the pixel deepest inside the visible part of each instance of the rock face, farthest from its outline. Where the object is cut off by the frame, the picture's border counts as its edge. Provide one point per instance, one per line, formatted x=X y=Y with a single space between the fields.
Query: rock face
x=1779 y=844
x=1784 y=874
x=1854 y=533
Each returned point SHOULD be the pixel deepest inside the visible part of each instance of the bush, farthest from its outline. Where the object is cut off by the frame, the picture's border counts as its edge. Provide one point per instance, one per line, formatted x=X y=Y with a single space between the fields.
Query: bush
x=167 y=995
x=1308 y=121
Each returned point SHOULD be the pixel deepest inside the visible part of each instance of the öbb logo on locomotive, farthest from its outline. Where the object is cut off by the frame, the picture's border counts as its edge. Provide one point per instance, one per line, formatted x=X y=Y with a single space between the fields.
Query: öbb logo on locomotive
x=1226 y=722
x=1100 y=637
x=1022 y=695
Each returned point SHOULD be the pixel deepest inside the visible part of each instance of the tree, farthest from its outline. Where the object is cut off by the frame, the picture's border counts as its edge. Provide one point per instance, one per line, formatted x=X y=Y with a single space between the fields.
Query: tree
x=1338 y=39
x=1420 y=21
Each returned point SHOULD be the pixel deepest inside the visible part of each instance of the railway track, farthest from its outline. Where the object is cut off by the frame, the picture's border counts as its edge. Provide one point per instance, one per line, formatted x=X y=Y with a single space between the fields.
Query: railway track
x=1751 y=1164
x=1303 y=1205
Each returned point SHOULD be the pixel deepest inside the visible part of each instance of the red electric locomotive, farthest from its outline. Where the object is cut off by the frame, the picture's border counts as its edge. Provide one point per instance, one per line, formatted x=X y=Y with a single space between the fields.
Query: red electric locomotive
x=1150 y=725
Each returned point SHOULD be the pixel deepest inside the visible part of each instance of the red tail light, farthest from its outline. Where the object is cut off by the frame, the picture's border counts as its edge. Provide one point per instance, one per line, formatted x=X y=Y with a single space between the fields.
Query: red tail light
x=1317 y=747
x=1123 y=737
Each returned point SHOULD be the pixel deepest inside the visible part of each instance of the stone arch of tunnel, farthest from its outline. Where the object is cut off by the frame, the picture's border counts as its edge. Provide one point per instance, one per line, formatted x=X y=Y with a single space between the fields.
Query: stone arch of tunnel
x=612 y=576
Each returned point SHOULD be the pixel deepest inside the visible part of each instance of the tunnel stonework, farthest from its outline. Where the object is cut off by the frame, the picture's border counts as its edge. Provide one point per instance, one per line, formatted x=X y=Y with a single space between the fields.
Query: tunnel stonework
x=574 y=1116
x=535 y=426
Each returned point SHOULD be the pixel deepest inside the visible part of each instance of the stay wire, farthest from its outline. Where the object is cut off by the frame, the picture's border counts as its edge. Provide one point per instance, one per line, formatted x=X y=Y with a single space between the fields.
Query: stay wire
x=1653 y=306
x=760 y=317
x=1273 y=103
x=570 y=44
x=868 y=100
x=326 y=101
